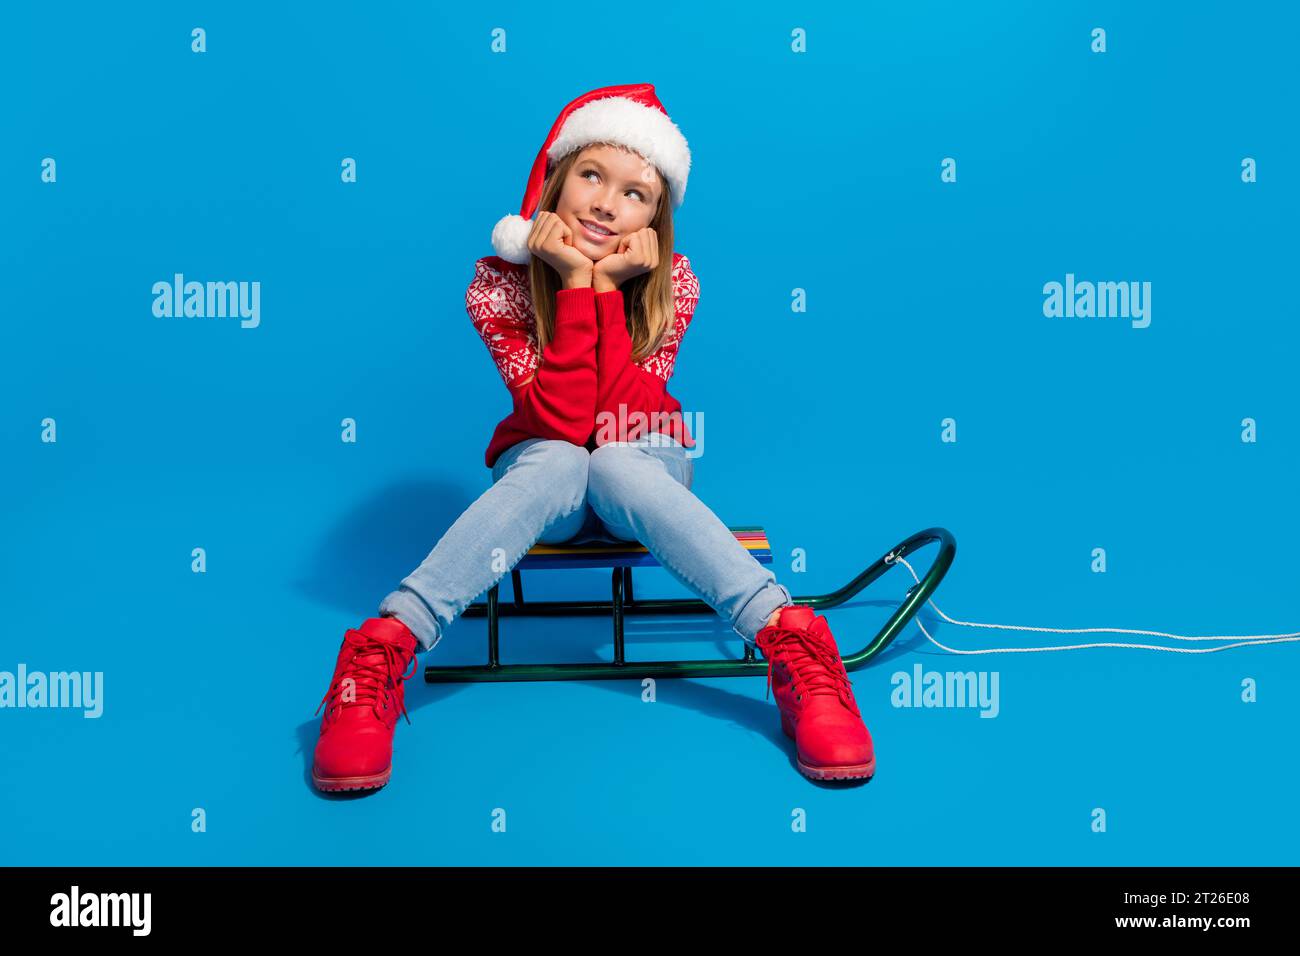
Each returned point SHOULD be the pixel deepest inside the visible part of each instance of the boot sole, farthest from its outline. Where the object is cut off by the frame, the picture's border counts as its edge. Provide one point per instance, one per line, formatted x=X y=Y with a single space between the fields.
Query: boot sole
x=854 y=771
x=862 y=771
x=371 y=781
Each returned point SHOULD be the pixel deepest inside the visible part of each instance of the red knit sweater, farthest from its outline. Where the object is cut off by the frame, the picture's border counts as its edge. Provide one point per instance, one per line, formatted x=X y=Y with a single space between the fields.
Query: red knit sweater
x=586 y=371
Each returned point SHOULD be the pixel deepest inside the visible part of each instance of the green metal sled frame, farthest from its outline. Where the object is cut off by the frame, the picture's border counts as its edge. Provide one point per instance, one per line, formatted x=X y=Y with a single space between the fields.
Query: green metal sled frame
x=623 y=603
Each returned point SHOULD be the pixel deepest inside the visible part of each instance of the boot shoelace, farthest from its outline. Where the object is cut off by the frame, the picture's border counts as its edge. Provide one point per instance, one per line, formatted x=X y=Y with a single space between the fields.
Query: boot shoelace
x=816 y=671
x=370 y=678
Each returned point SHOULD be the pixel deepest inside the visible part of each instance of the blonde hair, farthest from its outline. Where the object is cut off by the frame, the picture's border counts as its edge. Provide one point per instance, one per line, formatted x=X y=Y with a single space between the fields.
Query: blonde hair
x=648 y=297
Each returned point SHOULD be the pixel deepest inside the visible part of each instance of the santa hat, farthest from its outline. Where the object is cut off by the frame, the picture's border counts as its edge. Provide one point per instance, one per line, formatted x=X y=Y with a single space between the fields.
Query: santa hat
x=630 y=116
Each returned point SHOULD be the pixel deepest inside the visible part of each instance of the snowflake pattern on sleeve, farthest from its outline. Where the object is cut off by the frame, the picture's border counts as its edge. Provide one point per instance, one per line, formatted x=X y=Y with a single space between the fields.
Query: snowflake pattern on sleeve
x=686 y=293
x=502 y=312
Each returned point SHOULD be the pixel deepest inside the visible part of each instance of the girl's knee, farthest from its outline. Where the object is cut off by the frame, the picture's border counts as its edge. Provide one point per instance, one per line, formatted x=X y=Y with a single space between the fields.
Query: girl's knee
x=565 y=466
x=608 y=462
x=561 y=450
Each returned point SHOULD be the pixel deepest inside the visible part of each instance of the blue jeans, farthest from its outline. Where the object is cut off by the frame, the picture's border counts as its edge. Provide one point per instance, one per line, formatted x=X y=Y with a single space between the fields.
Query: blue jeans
x=553 y=491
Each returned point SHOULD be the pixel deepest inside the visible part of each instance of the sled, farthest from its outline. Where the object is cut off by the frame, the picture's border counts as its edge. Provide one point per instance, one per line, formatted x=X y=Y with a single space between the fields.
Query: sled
x=621 y=557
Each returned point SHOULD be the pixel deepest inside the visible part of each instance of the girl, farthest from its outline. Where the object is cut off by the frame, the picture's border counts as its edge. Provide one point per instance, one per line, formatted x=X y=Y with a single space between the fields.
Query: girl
x=583 y=310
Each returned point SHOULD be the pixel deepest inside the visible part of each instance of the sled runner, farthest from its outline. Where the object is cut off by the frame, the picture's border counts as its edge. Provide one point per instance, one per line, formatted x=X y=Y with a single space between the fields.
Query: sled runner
x=622 y=557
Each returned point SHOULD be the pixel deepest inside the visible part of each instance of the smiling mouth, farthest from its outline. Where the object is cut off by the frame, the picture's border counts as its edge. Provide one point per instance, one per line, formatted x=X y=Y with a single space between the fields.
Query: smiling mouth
x=596 y=230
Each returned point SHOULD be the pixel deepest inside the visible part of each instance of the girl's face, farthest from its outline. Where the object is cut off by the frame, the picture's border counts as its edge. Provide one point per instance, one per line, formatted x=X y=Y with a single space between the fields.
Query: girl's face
x=608 y=193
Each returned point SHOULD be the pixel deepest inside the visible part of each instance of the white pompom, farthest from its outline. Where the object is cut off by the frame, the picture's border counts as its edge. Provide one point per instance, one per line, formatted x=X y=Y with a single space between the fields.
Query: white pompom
x=510 y=239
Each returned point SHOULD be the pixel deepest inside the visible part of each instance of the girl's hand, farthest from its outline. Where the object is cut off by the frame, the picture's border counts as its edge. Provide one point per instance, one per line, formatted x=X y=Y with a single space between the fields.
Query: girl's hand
x=552 y=241
x=637 y=252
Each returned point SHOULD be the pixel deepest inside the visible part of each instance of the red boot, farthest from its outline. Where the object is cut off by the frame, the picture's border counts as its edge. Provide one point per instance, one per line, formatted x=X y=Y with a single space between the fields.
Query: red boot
x=815 y=697
x=355 y=749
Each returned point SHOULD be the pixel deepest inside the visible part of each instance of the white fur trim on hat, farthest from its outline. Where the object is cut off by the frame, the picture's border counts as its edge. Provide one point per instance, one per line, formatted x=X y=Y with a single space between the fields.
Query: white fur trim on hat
x=510 y=238
x=617 y=119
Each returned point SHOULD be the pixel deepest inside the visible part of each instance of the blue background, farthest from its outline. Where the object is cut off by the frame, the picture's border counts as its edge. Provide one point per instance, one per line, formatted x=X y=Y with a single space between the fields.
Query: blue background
x=817 y=171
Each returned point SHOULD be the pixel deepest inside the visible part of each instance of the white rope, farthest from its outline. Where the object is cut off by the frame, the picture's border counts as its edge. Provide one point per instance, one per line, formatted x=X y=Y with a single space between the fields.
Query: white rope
x=1241 y=640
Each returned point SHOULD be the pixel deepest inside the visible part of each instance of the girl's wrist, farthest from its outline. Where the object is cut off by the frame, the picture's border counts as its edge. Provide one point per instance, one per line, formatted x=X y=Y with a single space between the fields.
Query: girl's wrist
x=601 y=284
x=577 y=282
